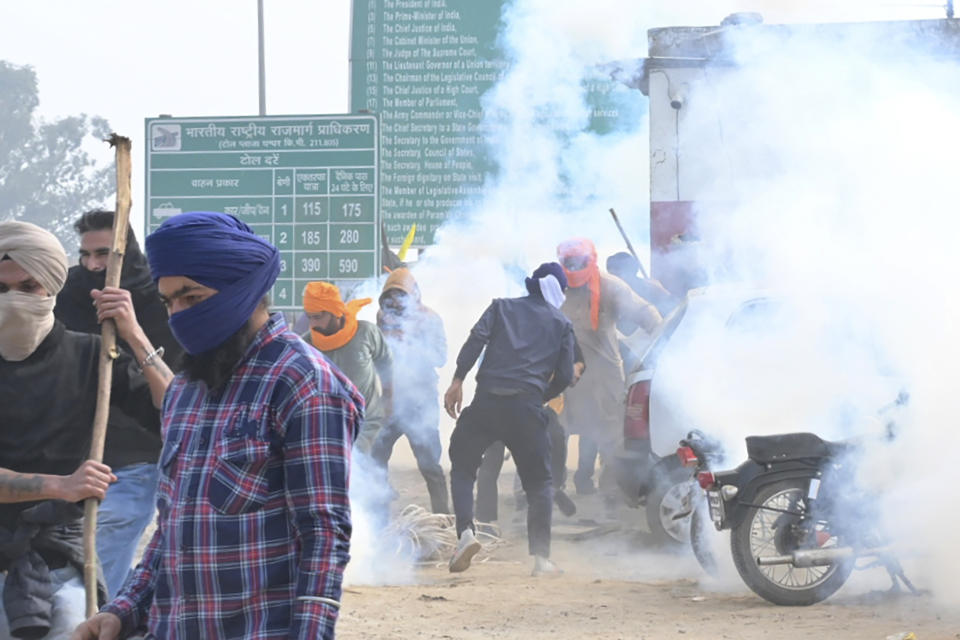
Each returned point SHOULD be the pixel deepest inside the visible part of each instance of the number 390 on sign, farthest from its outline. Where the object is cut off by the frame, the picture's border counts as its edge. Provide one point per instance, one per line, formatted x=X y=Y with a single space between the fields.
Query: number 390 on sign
x=311 y=265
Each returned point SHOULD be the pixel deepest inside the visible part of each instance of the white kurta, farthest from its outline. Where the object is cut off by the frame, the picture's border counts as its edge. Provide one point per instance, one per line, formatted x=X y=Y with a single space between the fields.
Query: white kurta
x=595 y=406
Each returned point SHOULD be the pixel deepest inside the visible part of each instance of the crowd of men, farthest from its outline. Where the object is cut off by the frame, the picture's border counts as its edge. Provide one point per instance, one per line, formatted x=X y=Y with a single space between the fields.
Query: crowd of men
x=237 y=434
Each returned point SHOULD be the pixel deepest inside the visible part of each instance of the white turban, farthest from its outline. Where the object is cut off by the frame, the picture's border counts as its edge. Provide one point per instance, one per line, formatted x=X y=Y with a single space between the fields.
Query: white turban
x=36 y=250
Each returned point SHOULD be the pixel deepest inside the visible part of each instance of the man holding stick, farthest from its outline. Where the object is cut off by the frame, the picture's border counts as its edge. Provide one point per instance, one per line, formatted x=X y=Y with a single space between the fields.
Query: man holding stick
x=48 y=389
x=253 y=532
x=132 y=448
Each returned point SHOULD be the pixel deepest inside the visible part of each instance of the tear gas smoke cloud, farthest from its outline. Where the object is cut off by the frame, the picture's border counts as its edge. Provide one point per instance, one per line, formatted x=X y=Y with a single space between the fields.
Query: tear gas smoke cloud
x=837 y=188
x=376 y=559
x=831 y=187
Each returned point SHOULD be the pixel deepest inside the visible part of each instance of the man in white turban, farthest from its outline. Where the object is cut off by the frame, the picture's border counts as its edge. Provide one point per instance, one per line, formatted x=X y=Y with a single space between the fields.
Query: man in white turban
x=48 y=389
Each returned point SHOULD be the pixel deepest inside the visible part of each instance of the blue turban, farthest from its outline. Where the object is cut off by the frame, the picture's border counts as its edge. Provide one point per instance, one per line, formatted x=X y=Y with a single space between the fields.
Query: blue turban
x=546 y=269
x=220 y=252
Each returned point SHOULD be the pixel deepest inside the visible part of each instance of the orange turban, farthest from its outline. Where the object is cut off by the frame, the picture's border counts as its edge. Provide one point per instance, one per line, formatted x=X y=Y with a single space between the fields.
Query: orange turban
x=589 y=275
x=324 y=296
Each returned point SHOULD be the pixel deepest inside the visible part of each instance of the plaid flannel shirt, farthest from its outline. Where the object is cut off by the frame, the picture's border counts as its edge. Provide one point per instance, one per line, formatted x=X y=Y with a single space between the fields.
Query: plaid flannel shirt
x=253 y=516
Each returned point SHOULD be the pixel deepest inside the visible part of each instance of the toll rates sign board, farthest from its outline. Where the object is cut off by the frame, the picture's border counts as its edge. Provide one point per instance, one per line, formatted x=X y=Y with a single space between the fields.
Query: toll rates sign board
x=308 y=184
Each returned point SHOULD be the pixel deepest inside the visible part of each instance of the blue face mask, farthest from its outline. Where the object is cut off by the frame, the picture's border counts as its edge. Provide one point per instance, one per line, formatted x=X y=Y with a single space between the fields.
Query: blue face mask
x=220 y=252
x=208 y=324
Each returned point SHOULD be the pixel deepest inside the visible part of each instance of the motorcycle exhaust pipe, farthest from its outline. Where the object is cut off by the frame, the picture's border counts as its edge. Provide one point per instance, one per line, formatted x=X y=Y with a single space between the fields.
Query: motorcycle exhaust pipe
x=805 y=558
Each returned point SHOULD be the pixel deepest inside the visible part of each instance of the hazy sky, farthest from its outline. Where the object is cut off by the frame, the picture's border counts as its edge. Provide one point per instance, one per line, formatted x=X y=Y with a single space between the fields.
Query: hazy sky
x=130 y=59
x=127 y=60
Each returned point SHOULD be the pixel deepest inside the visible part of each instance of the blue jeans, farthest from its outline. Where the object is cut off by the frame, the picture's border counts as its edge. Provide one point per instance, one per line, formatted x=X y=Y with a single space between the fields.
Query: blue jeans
x=424 y=437
x=122 y=518
x=69 y=604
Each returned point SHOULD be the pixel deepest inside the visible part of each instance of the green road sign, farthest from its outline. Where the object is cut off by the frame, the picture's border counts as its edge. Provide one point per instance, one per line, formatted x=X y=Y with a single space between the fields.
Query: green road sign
x=423 y=65
x=308 y=184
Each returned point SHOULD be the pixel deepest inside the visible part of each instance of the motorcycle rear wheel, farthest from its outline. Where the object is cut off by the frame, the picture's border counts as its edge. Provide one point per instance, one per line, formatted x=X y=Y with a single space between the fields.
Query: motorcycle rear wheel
x=669 y=504
x=701 y=530
x=756 y=536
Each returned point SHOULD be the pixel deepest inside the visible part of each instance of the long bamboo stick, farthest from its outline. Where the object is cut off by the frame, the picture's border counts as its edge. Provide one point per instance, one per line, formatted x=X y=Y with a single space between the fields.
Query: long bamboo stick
x=627 y=240
x=108 y=353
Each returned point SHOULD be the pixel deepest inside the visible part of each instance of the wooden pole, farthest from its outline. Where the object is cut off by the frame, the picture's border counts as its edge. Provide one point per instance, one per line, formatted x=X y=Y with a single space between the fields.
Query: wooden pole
x=108 y=353
x=627 y=240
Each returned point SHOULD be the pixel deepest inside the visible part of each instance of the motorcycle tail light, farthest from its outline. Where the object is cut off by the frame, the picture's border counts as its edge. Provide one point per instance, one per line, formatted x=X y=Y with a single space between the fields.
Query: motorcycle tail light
x=636 y=423
x=687 y=457
x=706 y=479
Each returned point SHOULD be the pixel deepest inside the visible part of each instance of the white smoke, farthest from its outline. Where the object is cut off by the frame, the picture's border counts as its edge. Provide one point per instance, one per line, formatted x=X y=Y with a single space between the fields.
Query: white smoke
x=837 y=192
x=378 y=556
x=836 y=174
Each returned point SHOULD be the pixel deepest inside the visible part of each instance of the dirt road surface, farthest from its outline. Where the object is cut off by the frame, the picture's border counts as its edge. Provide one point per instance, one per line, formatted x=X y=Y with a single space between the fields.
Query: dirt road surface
x=615 y=586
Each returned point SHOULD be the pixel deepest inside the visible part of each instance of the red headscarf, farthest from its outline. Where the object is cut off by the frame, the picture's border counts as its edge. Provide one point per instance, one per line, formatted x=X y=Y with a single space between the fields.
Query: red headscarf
x=589 y=275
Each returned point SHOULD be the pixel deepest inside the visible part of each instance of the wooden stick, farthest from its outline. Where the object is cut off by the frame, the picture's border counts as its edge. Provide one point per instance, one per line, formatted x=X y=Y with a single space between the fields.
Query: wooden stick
x=627 y=240
x=108 y=353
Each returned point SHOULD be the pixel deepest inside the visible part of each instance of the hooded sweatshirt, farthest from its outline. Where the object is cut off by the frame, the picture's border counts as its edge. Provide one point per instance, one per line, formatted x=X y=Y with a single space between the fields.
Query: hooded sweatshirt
x=417 y=342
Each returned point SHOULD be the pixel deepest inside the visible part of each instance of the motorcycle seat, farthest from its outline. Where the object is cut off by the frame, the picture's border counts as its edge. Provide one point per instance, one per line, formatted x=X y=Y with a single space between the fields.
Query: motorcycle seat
x=791 y=446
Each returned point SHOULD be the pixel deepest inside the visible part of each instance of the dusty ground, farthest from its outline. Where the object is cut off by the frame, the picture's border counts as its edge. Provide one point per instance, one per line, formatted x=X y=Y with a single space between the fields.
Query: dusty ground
x=614 y=586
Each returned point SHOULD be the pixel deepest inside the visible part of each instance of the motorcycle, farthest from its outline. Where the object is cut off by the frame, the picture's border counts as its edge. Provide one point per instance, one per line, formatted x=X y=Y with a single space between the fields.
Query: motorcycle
x=798 y=522
x=666 y=488
x=700 y=452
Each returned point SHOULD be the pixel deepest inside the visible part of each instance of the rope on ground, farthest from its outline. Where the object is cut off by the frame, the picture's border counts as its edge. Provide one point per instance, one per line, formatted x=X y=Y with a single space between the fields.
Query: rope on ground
x=431 y=537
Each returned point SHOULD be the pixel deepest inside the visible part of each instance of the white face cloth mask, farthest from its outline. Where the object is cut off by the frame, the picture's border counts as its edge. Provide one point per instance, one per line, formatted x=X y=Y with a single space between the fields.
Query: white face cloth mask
x=552 y=293
x=25 y=320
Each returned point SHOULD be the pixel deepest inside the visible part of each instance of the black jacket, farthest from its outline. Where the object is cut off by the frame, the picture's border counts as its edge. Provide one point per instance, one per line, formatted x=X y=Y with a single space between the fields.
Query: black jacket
x=129 y=441
x=47 y=402
x=529 y=348
x=47 y=536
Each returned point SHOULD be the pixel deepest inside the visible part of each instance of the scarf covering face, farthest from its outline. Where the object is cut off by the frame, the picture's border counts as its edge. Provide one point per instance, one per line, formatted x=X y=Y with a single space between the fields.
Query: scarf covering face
x=551 y=291
x=589 y=275
x=134 y=274
x=220 y=252
x=548 y=281
x=394 y=319
x=27 y=318
x=324 y=296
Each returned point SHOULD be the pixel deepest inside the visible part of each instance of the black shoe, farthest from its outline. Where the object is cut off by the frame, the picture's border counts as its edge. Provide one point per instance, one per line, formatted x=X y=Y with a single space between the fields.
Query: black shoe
x=564 y=503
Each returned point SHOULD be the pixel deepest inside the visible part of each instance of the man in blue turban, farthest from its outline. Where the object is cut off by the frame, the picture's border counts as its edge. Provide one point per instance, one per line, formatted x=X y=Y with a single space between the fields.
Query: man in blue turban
x=254 y=520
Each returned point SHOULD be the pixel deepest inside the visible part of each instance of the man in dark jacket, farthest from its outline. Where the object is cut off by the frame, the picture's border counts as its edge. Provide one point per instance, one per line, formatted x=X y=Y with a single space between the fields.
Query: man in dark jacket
x=528 y=359
x=48 y=390
x=132 y=446
x=418 y=346
x=488 y=493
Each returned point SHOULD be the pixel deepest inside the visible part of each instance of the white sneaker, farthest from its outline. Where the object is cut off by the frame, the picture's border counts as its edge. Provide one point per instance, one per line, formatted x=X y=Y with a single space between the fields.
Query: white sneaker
x=543 y=567
x=466 y=549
